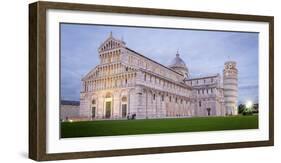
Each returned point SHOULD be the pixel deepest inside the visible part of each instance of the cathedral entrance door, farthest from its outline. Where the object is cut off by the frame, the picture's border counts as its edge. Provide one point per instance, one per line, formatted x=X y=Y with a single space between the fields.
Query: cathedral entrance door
x=124 y=110
x=93 y=112
x=108 y=109
x=209 y=111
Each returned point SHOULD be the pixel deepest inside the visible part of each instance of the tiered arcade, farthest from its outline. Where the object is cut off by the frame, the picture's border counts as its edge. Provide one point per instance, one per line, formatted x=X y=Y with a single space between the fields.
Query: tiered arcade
x=126 y=82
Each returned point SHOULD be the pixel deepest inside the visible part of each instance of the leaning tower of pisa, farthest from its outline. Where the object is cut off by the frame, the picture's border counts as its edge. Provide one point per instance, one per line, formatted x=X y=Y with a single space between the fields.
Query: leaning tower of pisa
x=230 y=87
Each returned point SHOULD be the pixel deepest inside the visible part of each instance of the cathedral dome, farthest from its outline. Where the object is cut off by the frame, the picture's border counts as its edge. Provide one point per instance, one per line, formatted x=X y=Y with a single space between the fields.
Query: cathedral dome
x=179 y=65
x=177 y=62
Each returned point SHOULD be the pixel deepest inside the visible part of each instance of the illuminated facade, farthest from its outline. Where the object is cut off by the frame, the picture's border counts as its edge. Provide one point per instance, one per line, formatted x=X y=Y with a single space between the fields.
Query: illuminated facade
x=127 y=83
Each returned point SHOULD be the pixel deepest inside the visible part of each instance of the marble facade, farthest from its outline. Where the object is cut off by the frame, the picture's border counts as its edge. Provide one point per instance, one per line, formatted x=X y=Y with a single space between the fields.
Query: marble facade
x=126 y=83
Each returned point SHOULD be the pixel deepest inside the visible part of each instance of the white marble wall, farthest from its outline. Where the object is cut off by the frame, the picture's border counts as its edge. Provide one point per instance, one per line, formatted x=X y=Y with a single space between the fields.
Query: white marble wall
x=152 y=90
x=230 y=85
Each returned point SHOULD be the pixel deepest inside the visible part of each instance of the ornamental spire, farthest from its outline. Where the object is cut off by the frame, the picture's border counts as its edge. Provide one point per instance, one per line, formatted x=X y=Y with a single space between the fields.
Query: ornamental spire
x=178 y=53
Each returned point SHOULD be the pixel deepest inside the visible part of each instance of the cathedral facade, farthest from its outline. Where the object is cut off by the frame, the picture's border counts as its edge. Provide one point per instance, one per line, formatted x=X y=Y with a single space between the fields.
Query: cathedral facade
x=126 y=83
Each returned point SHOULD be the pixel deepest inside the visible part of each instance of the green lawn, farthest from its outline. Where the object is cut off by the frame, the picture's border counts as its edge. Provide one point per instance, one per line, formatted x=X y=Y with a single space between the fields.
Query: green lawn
x=153 y=126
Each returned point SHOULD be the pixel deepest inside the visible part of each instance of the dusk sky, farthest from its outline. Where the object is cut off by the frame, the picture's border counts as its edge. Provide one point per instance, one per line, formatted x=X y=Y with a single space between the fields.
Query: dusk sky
x=204 y=53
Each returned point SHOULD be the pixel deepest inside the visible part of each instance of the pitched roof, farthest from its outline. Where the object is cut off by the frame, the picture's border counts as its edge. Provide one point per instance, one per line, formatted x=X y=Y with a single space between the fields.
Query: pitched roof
x=152 y=61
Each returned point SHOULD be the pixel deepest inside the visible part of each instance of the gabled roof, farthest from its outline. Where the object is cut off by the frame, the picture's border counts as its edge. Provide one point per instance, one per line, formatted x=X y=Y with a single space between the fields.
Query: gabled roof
x=152 y=61
x=111 y=43
x=89 y=73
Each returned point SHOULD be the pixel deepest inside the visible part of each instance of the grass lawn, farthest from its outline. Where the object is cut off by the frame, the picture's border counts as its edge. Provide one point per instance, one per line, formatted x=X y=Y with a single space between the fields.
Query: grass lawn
x=154 y=126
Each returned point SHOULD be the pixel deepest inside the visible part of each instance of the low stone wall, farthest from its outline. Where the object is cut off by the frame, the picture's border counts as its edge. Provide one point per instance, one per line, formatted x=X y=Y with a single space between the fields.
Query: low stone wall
x=69 y=112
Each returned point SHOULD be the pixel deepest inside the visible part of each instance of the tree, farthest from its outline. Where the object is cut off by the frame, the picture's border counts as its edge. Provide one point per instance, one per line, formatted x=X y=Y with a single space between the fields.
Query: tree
x=248 y=109
x=241 y=108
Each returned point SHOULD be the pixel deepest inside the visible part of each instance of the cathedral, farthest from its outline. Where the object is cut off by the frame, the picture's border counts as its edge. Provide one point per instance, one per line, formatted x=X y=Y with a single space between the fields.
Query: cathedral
x=126 y=83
